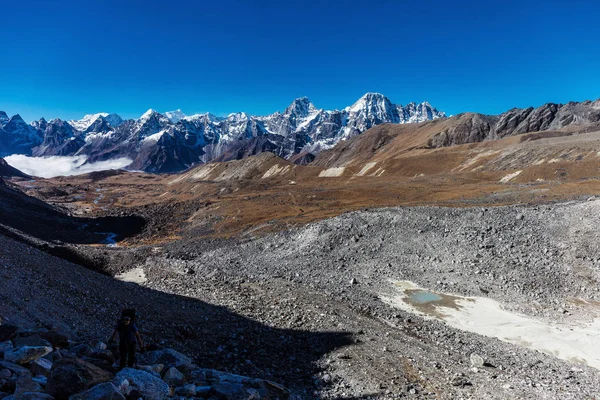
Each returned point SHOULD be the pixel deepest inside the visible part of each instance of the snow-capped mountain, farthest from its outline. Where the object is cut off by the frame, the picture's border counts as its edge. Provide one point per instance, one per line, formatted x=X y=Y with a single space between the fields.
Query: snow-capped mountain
x=18 y=137
x=172 y=141
x=91 y=120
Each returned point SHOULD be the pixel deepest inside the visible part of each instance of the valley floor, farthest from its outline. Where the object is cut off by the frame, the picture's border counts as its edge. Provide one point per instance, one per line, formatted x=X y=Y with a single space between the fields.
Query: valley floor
x=310 y=308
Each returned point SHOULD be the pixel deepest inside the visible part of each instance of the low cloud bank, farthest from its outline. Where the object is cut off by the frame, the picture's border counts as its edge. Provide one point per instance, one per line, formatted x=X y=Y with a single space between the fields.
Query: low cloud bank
x=49 y=167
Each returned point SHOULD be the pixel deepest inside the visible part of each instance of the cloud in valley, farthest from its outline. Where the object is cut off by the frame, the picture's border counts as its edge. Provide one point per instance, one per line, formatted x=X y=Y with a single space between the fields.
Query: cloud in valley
x=48 y=167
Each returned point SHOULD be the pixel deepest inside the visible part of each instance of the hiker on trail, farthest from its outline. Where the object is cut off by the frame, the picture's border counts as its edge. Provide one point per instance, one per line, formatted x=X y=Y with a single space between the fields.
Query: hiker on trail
x=128 y=334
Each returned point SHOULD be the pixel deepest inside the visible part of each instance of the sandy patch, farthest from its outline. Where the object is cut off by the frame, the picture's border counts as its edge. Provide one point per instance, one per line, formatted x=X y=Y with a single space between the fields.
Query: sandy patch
x=204 y=172
x=276 y=170
x=510 y=177
x=473 y=160
x=136 y=275
x=366 y=168
x=332 y=172
x=575 y=343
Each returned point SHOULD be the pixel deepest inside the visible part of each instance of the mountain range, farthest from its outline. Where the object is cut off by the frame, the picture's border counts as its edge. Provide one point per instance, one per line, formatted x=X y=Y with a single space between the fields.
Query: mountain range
x=172 y=141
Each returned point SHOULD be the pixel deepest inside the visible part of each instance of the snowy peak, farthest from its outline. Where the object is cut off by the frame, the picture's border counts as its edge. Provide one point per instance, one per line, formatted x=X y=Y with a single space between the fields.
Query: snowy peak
x=3 y=118
x=300 y=108
x=175 y=116
x=88 y=120
x=371 y=102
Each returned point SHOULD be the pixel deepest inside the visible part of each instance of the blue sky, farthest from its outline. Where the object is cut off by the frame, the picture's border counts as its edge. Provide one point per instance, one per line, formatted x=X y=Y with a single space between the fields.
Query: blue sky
x=68 y=58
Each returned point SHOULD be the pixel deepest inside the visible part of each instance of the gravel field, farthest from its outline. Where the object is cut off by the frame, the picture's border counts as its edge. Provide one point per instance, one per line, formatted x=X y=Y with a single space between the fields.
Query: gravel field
x=307 y=307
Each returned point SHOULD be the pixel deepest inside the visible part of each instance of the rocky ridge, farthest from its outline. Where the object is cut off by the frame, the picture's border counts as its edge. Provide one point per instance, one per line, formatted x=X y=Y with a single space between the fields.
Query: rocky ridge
x=172 y=141
x=473 y=127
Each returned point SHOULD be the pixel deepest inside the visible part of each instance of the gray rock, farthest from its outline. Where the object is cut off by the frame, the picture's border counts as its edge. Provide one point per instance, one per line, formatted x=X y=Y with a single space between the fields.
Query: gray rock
x=71 y=375
x=25 y=354
x=147 y=385
x=24 y=385
x=188 y=390
x=41 y=366
x=476 y=360
x=5 y=346
x=99 y=354
x=202 y=390
x=42 y=380
x=167 y=357
x=15 y=368
x=31 y=340
x=5 y=373
x=460 y=380
x=173 y=377
x=103 y=391
x=157 y=368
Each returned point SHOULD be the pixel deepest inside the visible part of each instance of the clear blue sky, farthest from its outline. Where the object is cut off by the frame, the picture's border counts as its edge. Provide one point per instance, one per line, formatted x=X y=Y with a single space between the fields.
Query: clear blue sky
x=67 y=58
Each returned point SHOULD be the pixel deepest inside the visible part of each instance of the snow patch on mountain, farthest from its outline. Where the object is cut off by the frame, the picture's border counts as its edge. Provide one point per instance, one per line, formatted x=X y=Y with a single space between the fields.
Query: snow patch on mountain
x=175 y=116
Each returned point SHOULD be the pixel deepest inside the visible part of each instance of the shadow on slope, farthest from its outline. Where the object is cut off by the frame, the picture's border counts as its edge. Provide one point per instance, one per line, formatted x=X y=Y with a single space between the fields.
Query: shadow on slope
x=40 y=220
x=37 y=289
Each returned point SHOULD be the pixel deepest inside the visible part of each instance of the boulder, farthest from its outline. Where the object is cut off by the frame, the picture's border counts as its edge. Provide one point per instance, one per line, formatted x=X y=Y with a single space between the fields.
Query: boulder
x=103 y=364
x=148 y=370
x=56 y=339
x=5 y=373
x=202 y=391
x=225 y=384
x=148 y=386
x=102 y=355
x=41 y=366
x=32 y=341
x=188 y=390
x=155 y=368
x=5 y=346
x=8 y=332
x=173 y=377
x=103 y=391
x=25 y=354
x=26 y=385
x=15 y=368
x=167 y=357
x=229 y=391
x=71 y=375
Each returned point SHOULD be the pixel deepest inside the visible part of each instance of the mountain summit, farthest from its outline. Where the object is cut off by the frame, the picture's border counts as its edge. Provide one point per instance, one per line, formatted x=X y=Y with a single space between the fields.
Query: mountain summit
x=172 y=141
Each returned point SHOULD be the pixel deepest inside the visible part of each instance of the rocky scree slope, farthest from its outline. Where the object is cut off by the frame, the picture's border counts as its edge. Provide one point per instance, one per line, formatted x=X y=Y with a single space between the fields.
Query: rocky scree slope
x=172 y=142
x=44 y=364
x=534 y=260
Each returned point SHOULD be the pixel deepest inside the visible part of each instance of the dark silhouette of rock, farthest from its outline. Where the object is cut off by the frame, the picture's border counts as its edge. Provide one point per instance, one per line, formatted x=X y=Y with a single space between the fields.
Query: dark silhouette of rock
x=71 y=375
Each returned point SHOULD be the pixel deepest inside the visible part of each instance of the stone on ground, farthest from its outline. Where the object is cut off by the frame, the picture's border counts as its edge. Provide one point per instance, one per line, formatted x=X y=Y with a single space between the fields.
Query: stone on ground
x=148 y=386
x=173 y=377
x=167 y=357
x=25 y=354
x=103 y=391
x=71 y=375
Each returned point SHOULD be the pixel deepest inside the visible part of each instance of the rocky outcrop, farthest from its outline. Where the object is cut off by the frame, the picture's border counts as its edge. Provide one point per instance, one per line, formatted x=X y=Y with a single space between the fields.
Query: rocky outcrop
x=472 y=127
x=83 y=371
x=469 y=128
